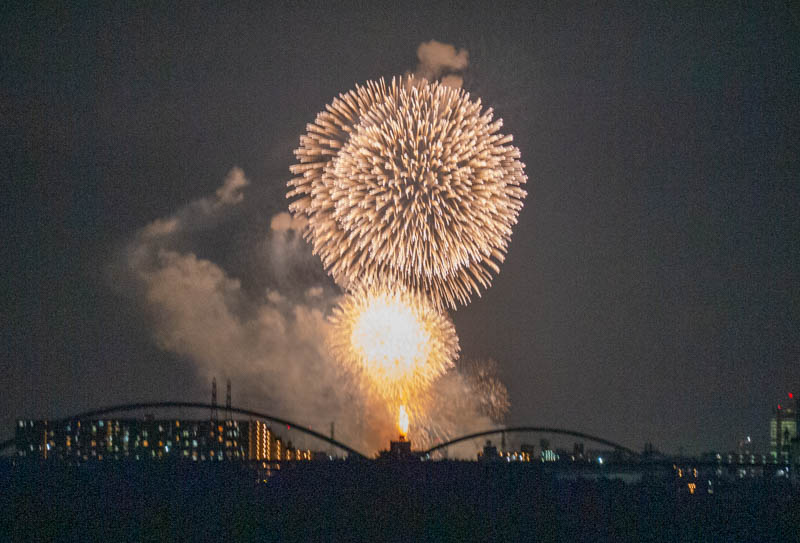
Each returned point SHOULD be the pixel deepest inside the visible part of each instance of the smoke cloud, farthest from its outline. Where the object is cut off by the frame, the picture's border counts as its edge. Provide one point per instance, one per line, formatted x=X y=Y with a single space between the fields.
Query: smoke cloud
x=269 y=340
x=442 y=61
x=271 y=345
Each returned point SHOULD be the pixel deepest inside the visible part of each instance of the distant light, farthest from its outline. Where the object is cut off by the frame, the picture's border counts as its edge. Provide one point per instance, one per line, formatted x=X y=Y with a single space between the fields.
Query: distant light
x=600 y=460
x=791 y=396
x=779 y=406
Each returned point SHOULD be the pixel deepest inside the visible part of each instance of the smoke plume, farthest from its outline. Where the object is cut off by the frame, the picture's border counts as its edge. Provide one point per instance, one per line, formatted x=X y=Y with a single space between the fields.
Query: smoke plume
x=441 y=61
x=270 y=340
x=271 y=344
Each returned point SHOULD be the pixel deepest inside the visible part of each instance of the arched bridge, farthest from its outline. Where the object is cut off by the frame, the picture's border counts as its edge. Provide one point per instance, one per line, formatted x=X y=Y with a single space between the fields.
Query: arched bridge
x=532 y=429
x=93 y=413
x=196 y=405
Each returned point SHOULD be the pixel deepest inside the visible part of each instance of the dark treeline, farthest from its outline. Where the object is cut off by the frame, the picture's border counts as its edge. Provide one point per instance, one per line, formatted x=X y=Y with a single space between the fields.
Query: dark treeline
x=374 y=501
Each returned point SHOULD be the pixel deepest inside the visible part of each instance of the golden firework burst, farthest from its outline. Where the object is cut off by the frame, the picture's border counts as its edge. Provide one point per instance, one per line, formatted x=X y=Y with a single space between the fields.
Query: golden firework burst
x=409 y=184
x=398 y=342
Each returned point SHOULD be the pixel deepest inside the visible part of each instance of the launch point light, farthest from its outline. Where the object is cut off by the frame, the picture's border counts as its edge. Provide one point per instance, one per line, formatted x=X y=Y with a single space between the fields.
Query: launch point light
x=402 y=422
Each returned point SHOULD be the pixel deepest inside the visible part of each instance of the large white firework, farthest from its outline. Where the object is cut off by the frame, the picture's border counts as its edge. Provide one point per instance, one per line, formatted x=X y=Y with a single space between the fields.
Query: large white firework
x=409 y=184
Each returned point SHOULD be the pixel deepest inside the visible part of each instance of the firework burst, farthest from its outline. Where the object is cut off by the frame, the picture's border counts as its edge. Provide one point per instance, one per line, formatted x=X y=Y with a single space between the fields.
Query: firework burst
x=409 y=184
x=399 y=343
x=486 y=386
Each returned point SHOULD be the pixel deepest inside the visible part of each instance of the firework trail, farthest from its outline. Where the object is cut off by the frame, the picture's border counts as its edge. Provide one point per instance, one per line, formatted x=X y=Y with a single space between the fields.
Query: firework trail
x=409 y=184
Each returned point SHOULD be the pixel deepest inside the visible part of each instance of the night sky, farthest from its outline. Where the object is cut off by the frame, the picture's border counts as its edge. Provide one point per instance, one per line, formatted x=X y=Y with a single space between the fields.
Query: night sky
x=652 y=287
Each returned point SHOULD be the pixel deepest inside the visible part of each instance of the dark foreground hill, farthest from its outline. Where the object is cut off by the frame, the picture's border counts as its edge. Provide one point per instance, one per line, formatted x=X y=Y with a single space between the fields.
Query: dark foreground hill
x=374 y=501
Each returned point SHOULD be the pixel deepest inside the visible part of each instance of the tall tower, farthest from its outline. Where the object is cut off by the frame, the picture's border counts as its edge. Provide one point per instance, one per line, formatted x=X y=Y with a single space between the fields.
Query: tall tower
x=214 y=414
x=783 y=429
x=228 y=400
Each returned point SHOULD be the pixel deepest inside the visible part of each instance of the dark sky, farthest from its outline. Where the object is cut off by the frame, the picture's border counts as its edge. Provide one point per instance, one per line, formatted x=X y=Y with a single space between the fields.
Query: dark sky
x=652 y=287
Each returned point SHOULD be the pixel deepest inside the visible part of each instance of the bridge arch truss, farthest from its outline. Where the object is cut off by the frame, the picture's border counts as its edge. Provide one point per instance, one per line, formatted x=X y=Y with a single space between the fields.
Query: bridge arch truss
x=533 y=429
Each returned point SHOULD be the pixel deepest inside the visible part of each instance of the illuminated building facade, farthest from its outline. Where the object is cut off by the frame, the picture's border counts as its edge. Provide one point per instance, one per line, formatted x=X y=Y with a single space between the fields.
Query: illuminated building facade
x=263 y=444
x=491 y=454
x=149 y=439
x=783 y=429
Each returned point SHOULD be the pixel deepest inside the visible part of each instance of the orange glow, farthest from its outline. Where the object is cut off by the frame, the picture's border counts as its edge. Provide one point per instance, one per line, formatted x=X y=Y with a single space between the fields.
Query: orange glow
x=402 y=422
x=388 y=334
x=399 y=342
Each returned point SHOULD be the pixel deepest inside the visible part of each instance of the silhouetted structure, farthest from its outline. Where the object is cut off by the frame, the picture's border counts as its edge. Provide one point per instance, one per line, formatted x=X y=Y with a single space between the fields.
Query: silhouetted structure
x=214 y=414
x=783 y=429
x=400 y=450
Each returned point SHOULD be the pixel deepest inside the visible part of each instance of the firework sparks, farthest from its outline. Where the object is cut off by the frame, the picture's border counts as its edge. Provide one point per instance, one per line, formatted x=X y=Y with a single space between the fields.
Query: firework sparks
x=491 y=393
x=410 y=192
x=409 y=184
x=399 y=343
